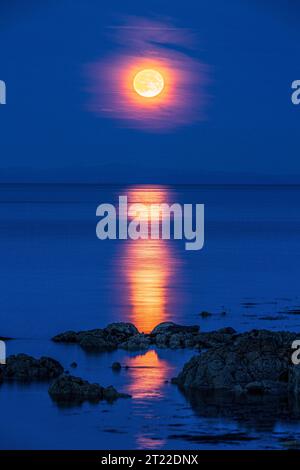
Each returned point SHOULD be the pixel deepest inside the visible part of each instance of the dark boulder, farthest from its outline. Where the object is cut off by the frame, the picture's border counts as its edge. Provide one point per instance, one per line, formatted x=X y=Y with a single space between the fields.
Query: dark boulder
x=95 y=343
x=136 y=343
x=70 y=389
x=171 y=335
x=66 y=337
x=254 y=362
x=99 y=340
x=121 y=331
x=27 y=368
x=213 y=339
x=170 y=327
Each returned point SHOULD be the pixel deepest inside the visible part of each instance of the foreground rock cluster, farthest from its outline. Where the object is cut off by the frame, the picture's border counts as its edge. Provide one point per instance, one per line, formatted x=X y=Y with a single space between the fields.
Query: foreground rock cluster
x=254 y=363
x=65 y=388
x=243 y=366
x=126 y=336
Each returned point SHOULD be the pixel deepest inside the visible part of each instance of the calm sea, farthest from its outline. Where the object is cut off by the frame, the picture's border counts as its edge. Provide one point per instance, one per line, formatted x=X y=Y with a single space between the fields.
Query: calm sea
x=56 y=275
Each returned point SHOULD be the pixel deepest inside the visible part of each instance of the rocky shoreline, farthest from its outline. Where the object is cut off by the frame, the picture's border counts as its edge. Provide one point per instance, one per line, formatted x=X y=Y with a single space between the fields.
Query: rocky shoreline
x=126 y=336
x=236 y=366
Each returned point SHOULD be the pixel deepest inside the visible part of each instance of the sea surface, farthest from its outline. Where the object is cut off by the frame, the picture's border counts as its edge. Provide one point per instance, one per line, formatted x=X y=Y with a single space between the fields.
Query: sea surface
x=56 y=275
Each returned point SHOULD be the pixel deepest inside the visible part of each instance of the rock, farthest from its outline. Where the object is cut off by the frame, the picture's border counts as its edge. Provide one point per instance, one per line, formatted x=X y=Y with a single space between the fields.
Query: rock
x=66 y=337
x=214 y=339
x=111 y=394
x=136 y=343
x=27 y=368
x=205 y=314
x=73 y=364
x=169 y=334
x=116 y=366
x=70 y=389
x=95 y=343
x=121 y=331
x=99 y=340
x=170 y=327
x=255 y=362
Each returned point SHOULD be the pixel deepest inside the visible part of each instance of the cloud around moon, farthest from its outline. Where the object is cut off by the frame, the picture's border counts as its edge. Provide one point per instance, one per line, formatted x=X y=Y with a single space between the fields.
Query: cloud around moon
x=148 y=44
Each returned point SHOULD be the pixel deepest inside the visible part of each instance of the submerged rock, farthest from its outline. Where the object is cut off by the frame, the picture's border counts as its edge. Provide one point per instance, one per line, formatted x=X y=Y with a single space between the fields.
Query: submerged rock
x=70 y=389
x=253 y=362
x=99 y=340
x=111 y=394
x=27 y=368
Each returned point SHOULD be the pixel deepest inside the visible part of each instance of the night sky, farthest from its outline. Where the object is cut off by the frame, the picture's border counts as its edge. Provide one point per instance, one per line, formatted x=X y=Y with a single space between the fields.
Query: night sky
x=251 y=130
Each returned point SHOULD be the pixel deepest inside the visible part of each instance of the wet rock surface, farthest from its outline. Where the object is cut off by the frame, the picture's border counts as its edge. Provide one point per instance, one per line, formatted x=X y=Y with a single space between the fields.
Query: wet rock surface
x=171 y=335
x=136 y=343
x=126 y=336
x=99 y=340
x=257 y=362
x=69 y=389
x=26 y=368
x=213 y=339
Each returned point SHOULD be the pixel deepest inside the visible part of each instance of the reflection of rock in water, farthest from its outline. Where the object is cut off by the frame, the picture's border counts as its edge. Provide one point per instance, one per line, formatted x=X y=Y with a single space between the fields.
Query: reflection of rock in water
x=258 y=413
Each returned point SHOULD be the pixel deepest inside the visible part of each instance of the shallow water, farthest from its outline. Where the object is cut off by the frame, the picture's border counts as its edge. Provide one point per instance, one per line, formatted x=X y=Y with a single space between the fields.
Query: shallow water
x=157 y=417
x=56 y=275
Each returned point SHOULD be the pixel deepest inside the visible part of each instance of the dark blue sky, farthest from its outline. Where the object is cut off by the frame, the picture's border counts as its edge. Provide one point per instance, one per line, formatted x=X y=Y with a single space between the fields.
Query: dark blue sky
x=252 y=131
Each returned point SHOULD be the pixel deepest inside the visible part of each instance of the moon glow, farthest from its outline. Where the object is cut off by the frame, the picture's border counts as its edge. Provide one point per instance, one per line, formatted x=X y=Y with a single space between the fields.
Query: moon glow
x=148 y=83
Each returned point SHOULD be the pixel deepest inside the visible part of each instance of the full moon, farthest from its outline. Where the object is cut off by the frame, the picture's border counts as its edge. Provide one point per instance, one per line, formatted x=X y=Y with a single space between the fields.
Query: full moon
x=148 y=83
